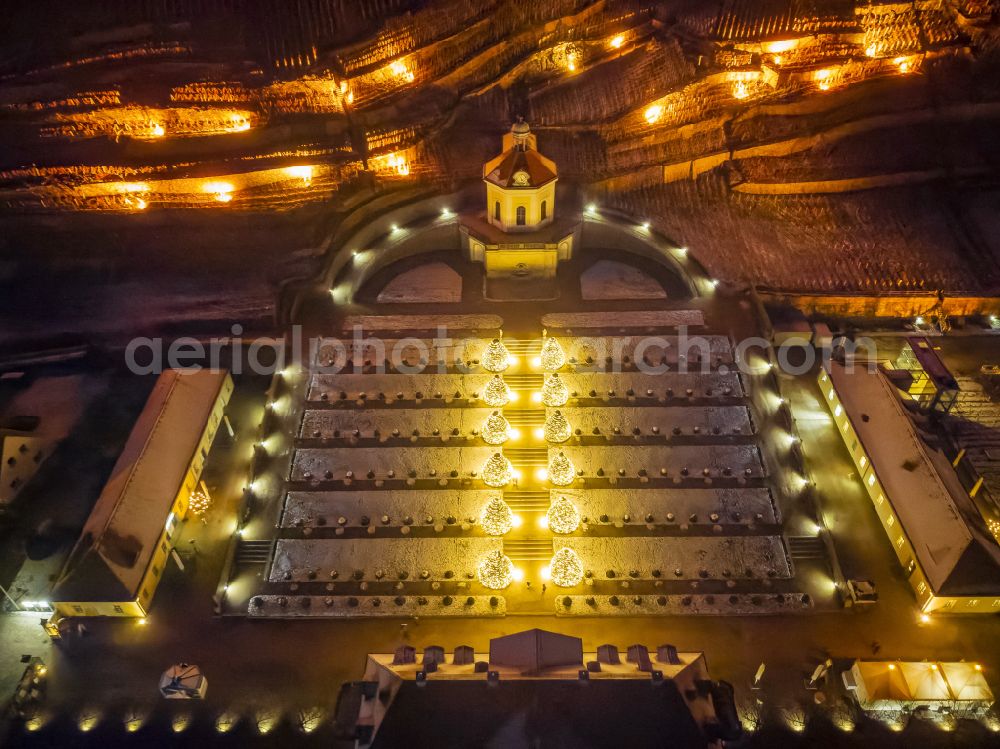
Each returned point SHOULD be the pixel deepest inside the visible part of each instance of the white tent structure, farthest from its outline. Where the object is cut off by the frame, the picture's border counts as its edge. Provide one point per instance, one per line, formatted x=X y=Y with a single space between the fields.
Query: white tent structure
x=967 y=683
x=182 y=681
x=925 y=683
x=884 y=685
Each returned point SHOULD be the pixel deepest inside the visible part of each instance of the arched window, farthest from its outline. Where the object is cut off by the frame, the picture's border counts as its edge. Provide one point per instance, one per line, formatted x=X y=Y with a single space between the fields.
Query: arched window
x=520 y=215
x=543 y=210
x=496 y=211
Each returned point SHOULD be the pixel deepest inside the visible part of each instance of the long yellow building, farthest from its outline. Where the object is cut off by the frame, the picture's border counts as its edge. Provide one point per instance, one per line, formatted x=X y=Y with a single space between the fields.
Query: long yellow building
x=940 y=538
x=118 y=561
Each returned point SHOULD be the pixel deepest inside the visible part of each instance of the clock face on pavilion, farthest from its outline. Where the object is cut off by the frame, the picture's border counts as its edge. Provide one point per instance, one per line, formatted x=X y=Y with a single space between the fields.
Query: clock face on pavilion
x=520 y=178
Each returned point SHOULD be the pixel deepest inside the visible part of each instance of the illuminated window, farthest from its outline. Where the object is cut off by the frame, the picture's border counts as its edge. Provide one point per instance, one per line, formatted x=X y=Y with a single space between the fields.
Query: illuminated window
x=871 y=479
x=921 y=587
x=521 y=215
x=838 y=410
x=996 y=603
x=863 y=461
x=881 y=499
x=829 y=396
x=972 y=602
x=496 y=210
x=543 y=210
x=899 y=542
x=822 y=376
x=890 y=521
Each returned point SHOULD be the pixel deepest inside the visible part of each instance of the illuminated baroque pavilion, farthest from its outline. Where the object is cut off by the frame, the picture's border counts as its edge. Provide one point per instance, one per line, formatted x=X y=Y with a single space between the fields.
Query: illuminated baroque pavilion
x=519 y=237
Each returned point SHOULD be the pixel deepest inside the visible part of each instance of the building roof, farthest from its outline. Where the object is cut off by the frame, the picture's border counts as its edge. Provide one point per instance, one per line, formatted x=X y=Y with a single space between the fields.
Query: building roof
x=118 y=539
x=537 y=697
x=628 y=713
x=881 y=683
x=949 y=537
x=501 y=171
x=535 y=650
x=21 y=453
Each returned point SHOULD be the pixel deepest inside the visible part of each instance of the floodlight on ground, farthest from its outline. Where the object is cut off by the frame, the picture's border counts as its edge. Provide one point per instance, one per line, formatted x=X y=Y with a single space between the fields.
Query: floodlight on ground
x=35 y=722
x=222 y=191
x=645 y=226
x=180 y=722
x=592 y=208
x=517 y=574
x=134 y=721
x=517 y=520
x=925 y=618
x=541 y=474
x=546 y=573
x=653 y=113
x=226 y=721
x=304 y=173
x=87 y=721
x=539 y=433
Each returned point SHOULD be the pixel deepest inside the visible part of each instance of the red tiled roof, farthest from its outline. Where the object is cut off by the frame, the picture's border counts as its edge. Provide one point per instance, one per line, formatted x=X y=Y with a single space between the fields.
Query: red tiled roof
x=516 y=160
